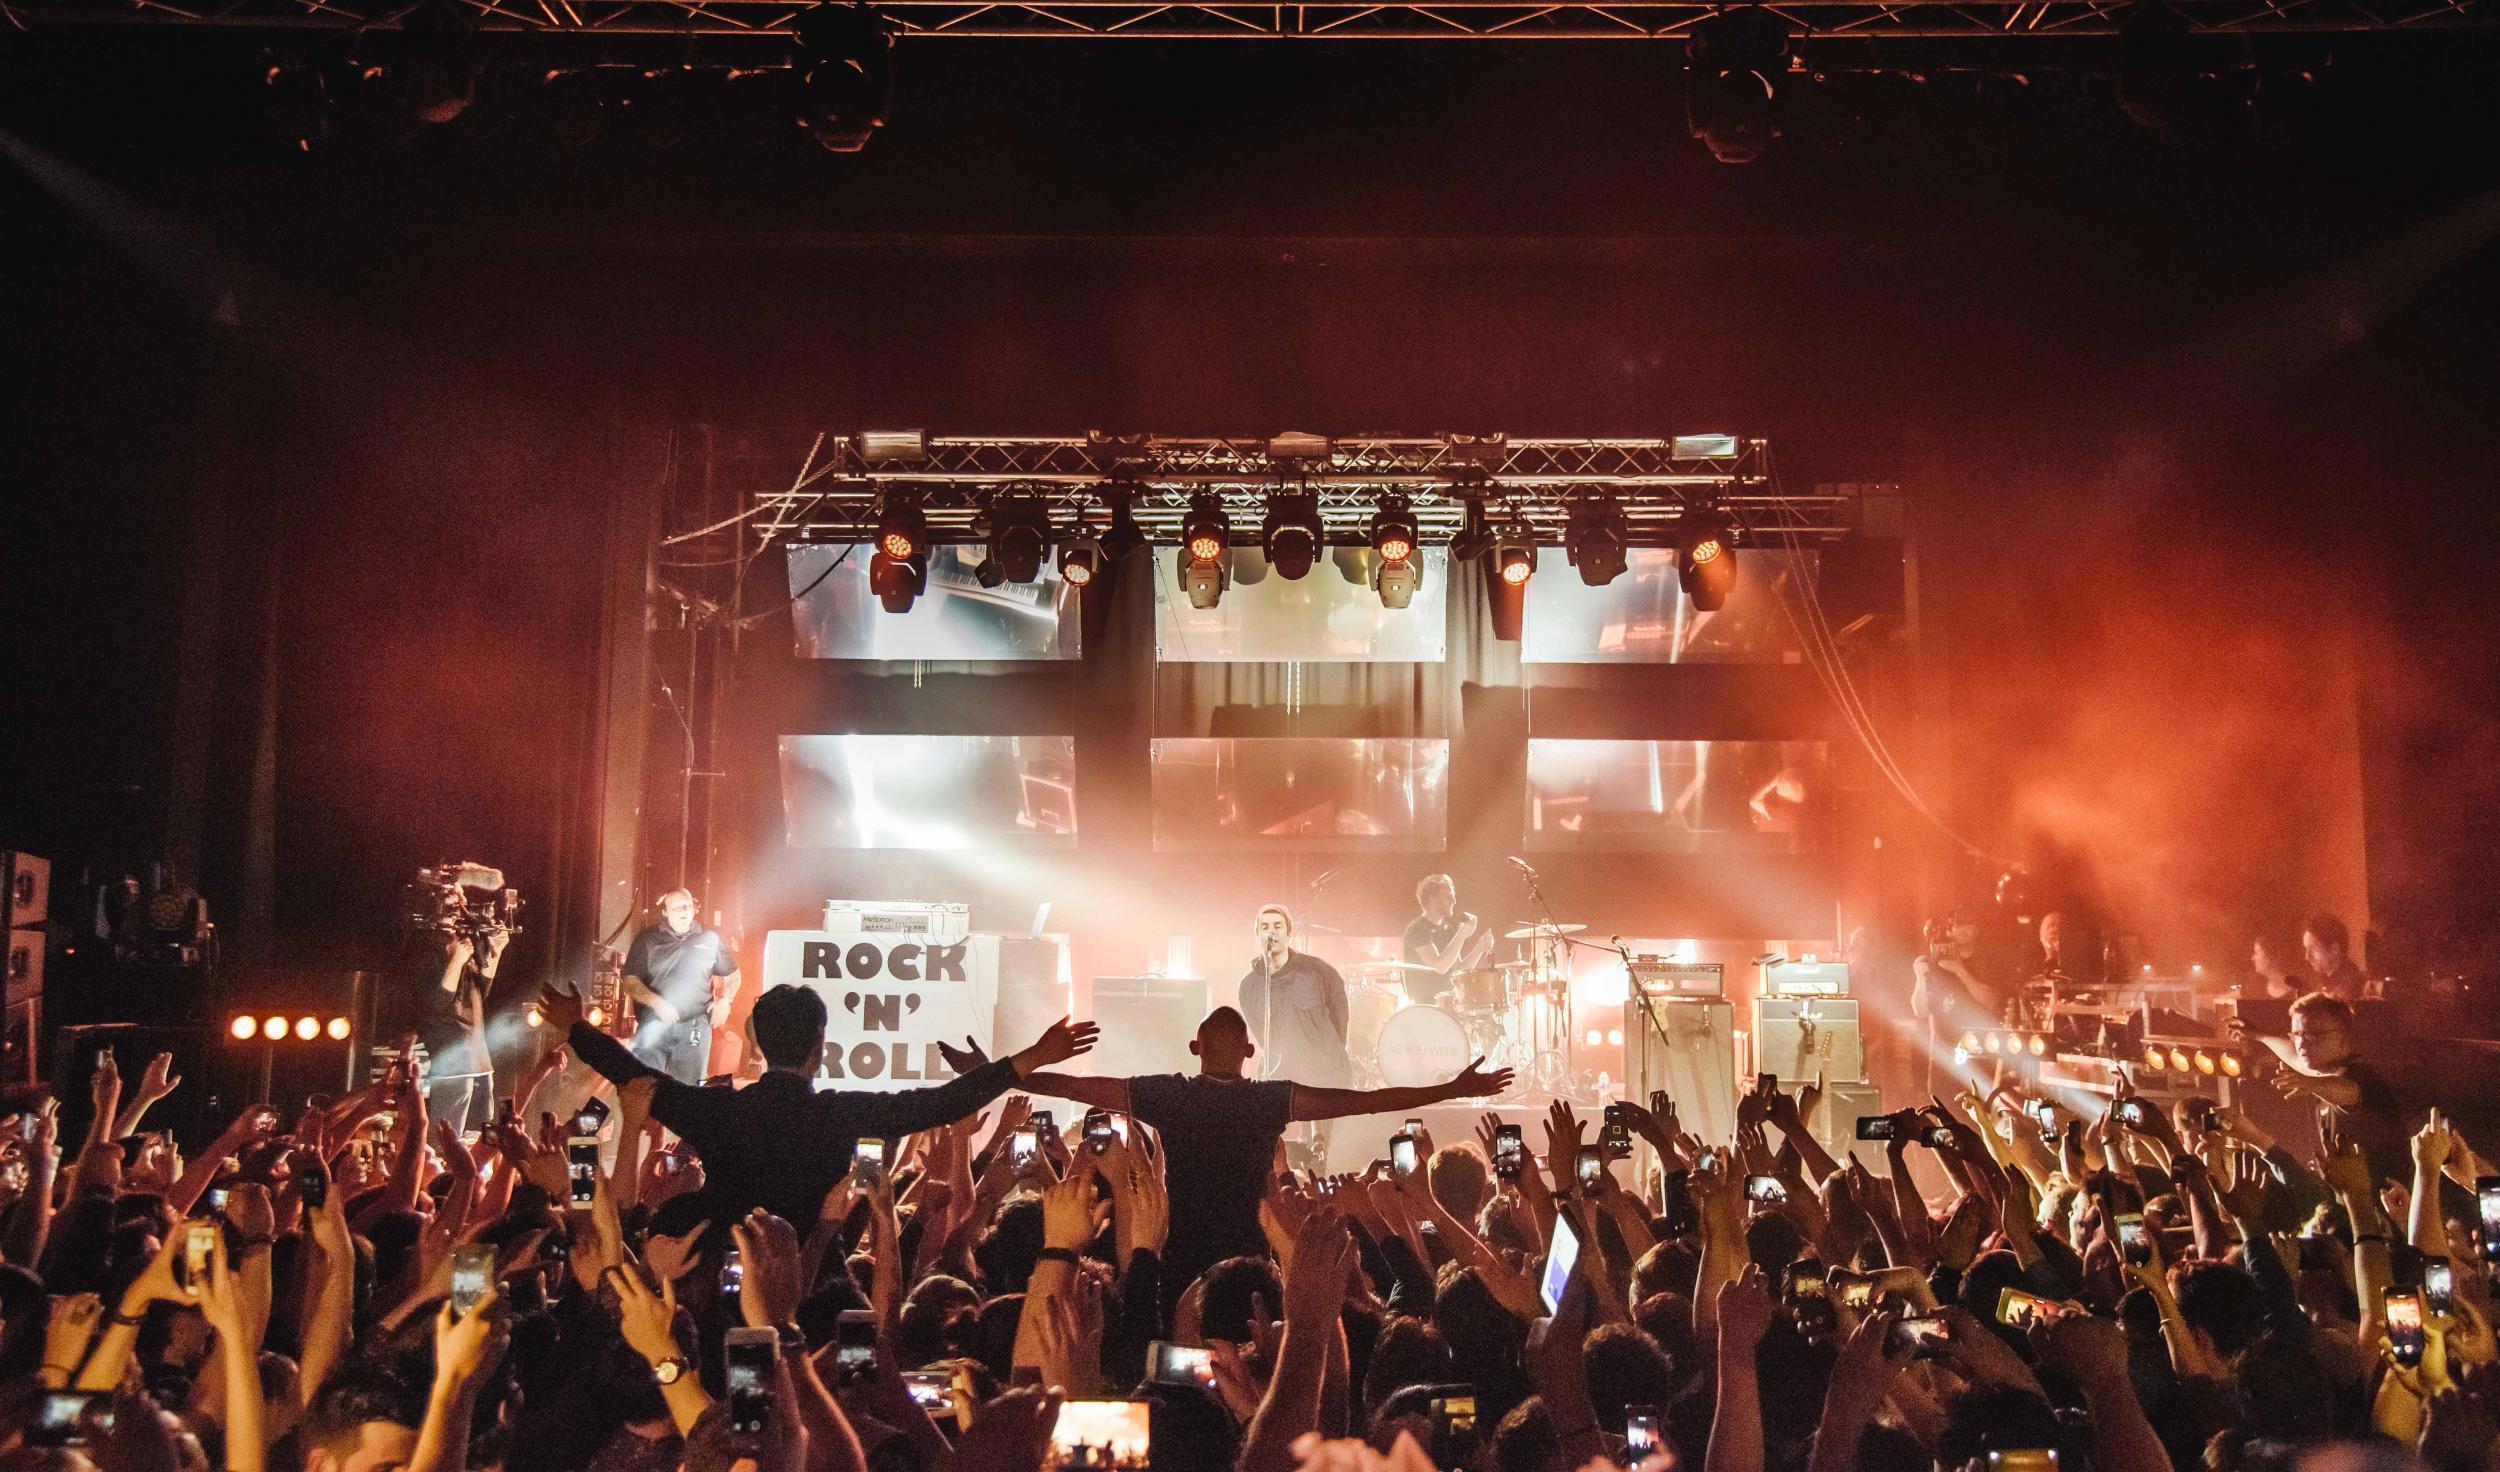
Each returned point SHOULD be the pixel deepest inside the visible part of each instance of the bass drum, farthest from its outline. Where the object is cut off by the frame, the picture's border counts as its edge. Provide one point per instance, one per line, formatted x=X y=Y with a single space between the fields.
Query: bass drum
x=1422 y=1045
x=1366 y=1012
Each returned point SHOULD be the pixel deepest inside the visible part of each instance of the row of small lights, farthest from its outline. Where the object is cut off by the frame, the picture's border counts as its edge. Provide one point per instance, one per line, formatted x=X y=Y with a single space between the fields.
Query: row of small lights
x=2176 y=1059
x=1611 y=1037
x=276 y=1029
x=2001 y=1044
x=594 y=1014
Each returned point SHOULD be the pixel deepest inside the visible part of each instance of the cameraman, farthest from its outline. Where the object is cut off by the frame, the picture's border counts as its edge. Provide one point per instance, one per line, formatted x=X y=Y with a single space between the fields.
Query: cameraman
x=451 y=1022
x=682 y=979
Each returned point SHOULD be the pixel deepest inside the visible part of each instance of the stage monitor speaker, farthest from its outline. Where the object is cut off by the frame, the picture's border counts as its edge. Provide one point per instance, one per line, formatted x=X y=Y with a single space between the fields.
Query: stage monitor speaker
x=21 y=1044
x=1801 y=1039
x=25 y=965
x=1147 y=1024
x=1836 y=1123
x=1693 y=1059
x=27 y=898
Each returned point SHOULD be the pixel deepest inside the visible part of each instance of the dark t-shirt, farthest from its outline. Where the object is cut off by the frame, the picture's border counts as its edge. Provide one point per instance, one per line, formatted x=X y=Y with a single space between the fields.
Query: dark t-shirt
x=1424 y=933
x=1219 y=1139
x=2375 y=1122
x=679 y=967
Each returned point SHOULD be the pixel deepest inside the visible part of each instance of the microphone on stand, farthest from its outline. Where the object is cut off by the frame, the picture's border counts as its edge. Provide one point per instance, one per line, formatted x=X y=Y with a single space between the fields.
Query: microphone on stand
x=1522 y=865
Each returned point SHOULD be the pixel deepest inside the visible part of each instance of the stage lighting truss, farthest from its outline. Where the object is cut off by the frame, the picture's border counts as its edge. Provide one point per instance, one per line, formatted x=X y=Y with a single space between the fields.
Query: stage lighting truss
x=1354 y=490
x=849 y=104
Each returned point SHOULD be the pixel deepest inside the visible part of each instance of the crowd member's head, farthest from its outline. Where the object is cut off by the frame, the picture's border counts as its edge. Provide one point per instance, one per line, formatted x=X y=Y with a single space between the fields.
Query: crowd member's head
x=1409 y=1351
x=1484 y=1337
x=2272 y=954
x=2326 y=944
x=1998 y=1419
x=364 y=1420
x=2222 y=1304
x=1225 y=1309
x=1625 y=1368
x=1525 y=1440
x=937 y=1319
x=2321 y=1032
x=1667 y=1318
x=1222 y=1045
x=788 y=1026
x=1459 y=1180
x=1011 y=1245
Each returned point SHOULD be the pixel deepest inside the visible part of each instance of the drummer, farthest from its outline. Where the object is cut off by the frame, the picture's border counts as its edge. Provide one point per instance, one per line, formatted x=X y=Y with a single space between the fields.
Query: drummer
x=1442 y=939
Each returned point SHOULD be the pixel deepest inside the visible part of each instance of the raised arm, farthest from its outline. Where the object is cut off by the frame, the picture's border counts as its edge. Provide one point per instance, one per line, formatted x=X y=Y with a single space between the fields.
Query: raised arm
x=1093 y=1093
x=914 y=1110
x=1312 y=1102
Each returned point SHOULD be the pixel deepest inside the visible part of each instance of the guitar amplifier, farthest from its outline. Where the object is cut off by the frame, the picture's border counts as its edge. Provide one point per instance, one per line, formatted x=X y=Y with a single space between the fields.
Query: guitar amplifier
x=1693 y=1059
x=946 y=924
x=1809 y=979
x=25 y=890
x=25 y=964
x=1801 y=1038
x=1659 y=978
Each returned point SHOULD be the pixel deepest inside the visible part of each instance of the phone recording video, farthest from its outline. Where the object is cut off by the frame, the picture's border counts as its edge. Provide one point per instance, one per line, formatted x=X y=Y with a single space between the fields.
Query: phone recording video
x=2042 y=1112
x=1022 y=1146
x=2132 y=1244
x=1616 y=1137
x=1100 y=1128
x=591 y=1117
x=2406 y=1338
x=1938 y=1137
x=2487 y=1197
x=2129 y=1112
x=1589 y=1169
x=1453 y=1425
x=72 y=1418
x=733 y=1273
x=1921 y=1334
x=1402 y=1154
x=933 y=1391
x=1509 y=1151
x=1180 y=1364
x=2439 y=1285
x=2023 y=1459
x=1875 y=1126
x=868 y=1162
x=199 y=1243
x=854 y=1344
x=1765 y=1191
x=2021 y=1310
x=1640 y=1432
x=472 y=1277
x=581 y=1169
x=1560 y=1255
x=1102 y=1436
x=751 y=1358
x=1809 y=1299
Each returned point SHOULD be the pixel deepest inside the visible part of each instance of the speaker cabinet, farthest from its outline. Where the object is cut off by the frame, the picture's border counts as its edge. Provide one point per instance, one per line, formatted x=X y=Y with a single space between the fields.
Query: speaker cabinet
x=1836 y=1123
x=26 y=898
x=21 y=1040
x=25 y=965
x=1147 y=1024
x=1801 y=1039
x=1691 y=1053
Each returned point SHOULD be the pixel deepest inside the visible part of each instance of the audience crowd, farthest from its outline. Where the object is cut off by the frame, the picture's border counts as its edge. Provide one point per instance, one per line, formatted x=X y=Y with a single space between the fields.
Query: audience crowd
x=2003 y=1282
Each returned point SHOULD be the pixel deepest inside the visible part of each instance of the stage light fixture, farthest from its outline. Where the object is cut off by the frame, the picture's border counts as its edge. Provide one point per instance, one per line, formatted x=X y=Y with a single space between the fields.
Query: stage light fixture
x=1394 y=536
x=1019 y=538
x=1397 y=582
x=897 y=582
x=307 y=1028
x=902 y=531
x=1596 y=542
x=1080 y=558
x=2154 y=1058
x=1514 y=558
x=1733 y=60
x=1202 y=580
x=1705 y=556
x=339 y=1029
x=2179 y=1060
x=846 y=72
x=534 y=1015
x=1206 y=532
x=595 y=1015
x=2231 y=1065
x=1293 y=535
x=244 y=1028
x=295 y=104
x=273 y=1028
x=1475 y=534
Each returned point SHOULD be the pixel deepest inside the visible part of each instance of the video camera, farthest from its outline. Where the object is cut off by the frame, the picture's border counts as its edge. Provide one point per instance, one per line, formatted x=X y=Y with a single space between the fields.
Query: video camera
x=463 y=901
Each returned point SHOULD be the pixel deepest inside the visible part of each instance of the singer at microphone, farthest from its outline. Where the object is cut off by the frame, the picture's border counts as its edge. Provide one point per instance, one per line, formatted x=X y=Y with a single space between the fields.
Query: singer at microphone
x=1295 y=1004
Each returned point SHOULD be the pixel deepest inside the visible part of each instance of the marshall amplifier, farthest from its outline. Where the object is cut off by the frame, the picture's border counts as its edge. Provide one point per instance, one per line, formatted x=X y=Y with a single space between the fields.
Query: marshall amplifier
x=1661 y=978
x=1802 y=1038
x=945 y=924
x=1808 y=979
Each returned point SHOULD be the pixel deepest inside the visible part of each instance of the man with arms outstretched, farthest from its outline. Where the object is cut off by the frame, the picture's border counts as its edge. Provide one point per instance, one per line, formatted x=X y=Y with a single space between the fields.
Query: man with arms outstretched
x=1220 y=1130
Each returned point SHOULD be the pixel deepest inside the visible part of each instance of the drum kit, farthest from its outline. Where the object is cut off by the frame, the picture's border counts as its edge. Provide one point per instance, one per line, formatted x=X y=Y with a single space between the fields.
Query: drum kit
x=1410 y=1025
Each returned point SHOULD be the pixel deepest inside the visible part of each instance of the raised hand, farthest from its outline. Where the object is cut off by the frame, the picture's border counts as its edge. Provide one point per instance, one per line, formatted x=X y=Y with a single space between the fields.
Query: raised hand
x=775 y=1270
x=1473 y=1082
x=159 y=1080
x=963 y=1059
x=1315 y=1282
x=468 y=1348
x=1059 y=1042
x=1745 y=1309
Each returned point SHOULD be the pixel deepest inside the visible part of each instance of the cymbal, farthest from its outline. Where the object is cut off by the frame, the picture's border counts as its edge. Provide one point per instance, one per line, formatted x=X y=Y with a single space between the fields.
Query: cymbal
x=1393 y=969
x=1542 y=931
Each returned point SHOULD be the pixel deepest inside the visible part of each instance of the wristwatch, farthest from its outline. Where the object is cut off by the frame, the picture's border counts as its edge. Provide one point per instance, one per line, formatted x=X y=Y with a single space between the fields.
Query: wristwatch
x=671 y=1370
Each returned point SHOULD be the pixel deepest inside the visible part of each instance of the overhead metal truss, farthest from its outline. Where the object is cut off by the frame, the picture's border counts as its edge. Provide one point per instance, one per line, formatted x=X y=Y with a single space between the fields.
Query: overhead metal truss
x=1439 y=20
x=1528 y=485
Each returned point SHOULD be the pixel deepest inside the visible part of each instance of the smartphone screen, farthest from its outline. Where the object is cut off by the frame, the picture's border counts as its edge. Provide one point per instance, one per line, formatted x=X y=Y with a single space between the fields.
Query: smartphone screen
x=2131 y=1236
x=2487 y=1196
x=1559 y=1258
x=1041 y=1123
x=1022 y=1146
x=1097 y=1128
x=751 y=1357
x=2024 y=1459
x=72 y=1418
x=1617 y=1136
x=932 y=1390
x=1921 y=1333
x=854 y=1344
x=216 y=1199
x=1453 y=1425
x=1413 y=1127
x=2439 y=1285
x=199 y=1242
x=1102 y=1436
x=868 y=1162
x=733 y=1272
x=581 y=1168
x=1640 y=1431
x=2020 y=1309
x=472 y=1276
x=588 y=1119
x=1766 y=1083
x=1508 y=1151
x=1765 y=1191
x=1852 y=1292
x=2405 y=1337
x=1402 y=1154
x=1590 y=1167
x=2130 y=1112
x=1939 y=1137
x=1875 y=1126
x=1180 y=1364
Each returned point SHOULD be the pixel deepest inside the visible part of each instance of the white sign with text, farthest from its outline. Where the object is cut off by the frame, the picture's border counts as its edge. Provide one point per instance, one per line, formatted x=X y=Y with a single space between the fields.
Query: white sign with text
x=889 y=1001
